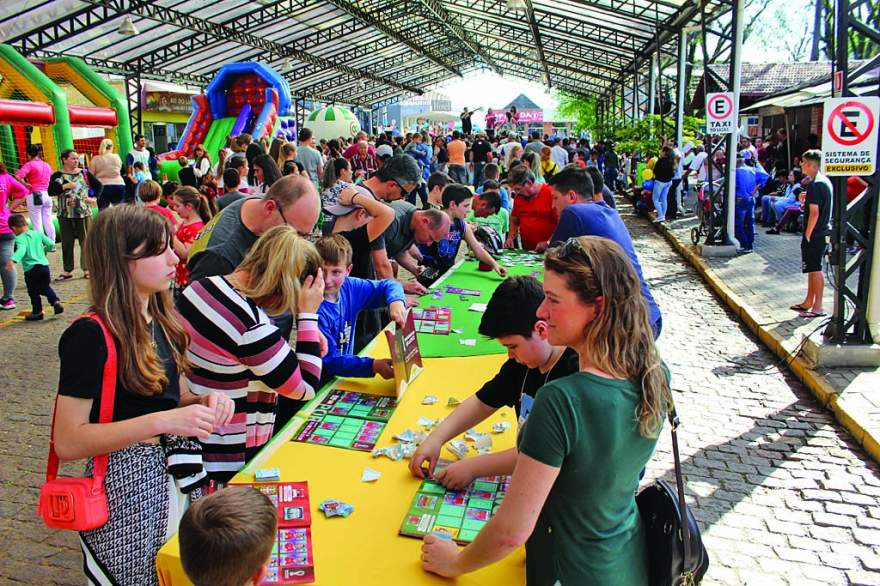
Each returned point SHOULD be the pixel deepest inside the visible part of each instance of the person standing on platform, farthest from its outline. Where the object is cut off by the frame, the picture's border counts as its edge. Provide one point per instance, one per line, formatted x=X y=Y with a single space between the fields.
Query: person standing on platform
x=77 y=191
x=35 y=176
x=817 y=231
x=466 y=123
x=154 y=413
x=580 y=526
x=533 y=218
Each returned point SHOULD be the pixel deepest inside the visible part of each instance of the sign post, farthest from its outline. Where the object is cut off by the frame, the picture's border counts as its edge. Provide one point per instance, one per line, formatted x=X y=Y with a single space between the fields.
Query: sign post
x=849 y=136
x=720 y=113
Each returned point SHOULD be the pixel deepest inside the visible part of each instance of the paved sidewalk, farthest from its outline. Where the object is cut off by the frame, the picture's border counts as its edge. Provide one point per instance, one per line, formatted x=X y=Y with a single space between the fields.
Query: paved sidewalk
x=782 y=493
x=760 y=287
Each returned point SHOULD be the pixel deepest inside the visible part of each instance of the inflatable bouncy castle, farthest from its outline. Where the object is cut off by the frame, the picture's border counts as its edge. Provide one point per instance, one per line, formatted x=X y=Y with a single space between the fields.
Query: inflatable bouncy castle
x=34 y=109
x=243 y=97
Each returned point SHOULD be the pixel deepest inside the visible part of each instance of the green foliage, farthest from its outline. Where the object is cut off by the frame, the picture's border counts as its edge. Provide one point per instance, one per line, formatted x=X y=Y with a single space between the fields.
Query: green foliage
x=579 y=108
x=647 y=134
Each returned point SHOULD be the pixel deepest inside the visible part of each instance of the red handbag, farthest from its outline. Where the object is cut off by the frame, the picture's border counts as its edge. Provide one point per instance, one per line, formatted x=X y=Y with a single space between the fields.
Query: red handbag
x=80 y=504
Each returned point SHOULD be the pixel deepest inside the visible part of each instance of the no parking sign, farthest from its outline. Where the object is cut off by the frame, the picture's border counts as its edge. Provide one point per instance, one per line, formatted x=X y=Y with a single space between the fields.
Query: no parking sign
x=720 y=115
x=849 y=136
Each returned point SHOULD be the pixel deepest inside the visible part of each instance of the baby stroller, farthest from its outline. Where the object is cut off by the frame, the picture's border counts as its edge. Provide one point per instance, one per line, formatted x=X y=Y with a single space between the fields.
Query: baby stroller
x=710 y=212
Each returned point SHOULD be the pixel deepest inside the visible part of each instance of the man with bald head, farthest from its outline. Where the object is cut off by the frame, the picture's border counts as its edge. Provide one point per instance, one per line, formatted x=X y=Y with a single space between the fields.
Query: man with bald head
x=352 y=150
x=363 y=164
x=225 y=240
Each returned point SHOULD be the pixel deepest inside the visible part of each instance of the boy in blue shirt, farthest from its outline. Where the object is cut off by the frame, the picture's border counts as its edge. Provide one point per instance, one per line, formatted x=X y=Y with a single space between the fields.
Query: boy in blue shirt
x=30 y=251
x=457 y=200
x=344 y=298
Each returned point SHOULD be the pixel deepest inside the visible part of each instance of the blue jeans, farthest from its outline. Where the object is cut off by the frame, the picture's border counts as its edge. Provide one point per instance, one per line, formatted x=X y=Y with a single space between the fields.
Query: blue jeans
x=458 y=173
x=7 y=247
x=661 y=190
x=745 y=222
x=768 y=215
x=478 y=173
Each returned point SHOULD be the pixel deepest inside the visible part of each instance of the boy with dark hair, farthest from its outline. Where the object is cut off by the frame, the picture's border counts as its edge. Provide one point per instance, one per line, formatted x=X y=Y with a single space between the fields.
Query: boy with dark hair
x=441 y=255
x=226 y=538
x=30 y=251
x=437 y=182
x=601 y=192
x=487 y=210
x=510 y=318
x=344 y=298
x=240 y=164
x=491 y=174
x=232 y=181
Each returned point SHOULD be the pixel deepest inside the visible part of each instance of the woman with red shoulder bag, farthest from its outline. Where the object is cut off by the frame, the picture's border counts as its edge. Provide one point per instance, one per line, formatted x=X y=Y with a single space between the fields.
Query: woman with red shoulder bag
x=136 y=429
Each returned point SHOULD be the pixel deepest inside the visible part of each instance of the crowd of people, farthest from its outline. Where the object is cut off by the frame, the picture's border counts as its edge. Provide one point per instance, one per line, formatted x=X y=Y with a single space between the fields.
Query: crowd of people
x=235 y=293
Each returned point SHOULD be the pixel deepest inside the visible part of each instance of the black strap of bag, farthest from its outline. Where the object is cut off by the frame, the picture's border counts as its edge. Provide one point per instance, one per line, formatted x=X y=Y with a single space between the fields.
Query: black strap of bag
x=679 y=481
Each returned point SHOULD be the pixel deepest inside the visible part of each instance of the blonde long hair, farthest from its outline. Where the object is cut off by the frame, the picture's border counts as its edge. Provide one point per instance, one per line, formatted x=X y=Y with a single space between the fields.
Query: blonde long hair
x=275 y=264
x=620 y=339
x=121 y=234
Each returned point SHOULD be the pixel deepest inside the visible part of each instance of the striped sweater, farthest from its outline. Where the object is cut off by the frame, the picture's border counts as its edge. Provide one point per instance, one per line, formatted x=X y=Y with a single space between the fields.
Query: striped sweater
x=236 y=350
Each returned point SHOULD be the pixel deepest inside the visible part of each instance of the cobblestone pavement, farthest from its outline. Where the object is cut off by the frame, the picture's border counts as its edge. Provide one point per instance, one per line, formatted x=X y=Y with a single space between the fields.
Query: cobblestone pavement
x=769 y=281
x=782 y=493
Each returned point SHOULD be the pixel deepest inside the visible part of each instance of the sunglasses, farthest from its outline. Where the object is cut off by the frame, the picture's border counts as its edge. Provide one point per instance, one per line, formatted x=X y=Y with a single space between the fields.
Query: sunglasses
x=571 y=247
x=403 y=191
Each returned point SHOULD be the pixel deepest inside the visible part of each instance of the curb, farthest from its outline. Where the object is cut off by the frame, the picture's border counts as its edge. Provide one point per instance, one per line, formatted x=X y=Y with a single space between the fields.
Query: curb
x=821 y=389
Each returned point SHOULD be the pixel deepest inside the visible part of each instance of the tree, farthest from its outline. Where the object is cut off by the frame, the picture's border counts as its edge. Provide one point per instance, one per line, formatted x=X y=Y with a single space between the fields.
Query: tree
x=580 y=108
x=825 y=33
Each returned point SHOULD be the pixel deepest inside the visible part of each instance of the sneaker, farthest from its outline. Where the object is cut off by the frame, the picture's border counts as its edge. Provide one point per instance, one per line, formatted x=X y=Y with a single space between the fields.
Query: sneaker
x=58 y=307
x=745 y=250
x=658 y=220
x=7 y=305
x=33 y=317
x=772 y=231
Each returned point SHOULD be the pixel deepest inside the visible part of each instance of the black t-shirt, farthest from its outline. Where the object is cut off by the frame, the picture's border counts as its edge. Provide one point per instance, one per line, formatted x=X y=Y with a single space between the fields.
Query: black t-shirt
x=515 y=380
x=481 y=150
x=818 y=193
x=361 y=260
x=83 y=354
x=663 y=170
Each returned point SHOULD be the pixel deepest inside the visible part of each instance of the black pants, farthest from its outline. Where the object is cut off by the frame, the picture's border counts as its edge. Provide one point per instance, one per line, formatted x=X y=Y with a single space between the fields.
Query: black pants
x=73 y=229
x=111 y=195
x=38 y=282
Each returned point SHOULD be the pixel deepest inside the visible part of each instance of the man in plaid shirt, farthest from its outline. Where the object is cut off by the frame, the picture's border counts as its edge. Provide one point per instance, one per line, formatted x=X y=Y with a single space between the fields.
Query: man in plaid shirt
x=364 y=163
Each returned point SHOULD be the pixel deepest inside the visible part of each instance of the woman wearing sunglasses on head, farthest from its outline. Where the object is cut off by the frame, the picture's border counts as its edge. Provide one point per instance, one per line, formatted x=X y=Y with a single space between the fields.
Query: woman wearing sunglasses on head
x=571 y=499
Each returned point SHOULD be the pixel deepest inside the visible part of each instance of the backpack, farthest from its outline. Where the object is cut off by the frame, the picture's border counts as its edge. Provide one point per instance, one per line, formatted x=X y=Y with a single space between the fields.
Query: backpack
x=490 y=239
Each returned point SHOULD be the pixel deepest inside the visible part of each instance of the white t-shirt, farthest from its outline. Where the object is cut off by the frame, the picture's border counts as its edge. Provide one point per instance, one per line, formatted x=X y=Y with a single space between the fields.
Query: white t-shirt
x=698 y=166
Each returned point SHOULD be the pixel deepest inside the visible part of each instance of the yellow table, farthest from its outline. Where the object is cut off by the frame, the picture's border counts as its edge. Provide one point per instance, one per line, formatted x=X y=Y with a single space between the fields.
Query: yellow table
x=365 y=548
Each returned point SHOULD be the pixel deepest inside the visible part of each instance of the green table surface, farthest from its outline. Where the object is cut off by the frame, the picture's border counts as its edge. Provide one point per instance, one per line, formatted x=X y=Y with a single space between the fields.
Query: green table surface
x=467 y=276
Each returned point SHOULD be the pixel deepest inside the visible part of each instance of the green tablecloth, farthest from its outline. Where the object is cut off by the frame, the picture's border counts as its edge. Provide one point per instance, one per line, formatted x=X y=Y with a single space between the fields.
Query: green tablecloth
x=467 y=276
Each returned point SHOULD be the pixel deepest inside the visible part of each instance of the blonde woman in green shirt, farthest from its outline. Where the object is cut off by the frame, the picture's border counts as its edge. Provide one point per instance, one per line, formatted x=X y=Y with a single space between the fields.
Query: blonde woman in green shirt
x=571 y=499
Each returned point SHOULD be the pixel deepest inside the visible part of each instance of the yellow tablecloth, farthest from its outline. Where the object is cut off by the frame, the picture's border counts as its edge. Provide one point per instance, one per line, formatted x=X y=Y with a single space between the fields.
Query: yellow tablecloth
x=365 y=548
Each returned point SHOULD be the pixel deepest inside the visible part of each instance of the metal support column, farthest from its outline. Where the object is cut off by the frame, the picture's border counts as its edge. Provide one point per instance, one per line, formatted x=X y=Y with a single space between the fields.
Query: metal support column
x=721 y=228
x=652 y=86
x=679 y=88
x=732 y=139
x=135 y=99
x=635 y=94
x=856 y=220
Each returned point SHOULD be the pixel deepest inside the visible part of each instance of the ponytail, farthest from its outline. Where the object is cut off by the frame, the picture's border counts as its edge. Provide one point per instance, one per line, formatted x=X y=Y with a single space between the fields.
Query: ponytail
x=332 y=170
x=190 y=195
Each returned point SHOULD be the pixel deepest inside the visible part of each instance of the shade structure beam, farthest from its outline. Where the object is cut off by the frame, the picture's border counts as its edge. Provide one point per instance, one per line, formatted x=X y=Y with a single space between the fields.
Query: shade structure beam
x=450 y=21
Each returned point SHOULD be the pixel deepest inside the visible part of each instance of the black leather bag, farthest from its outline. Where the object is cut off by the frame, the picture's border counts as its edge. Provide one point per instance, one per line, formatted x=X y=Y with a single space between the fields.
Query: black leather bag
x=676 y=554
